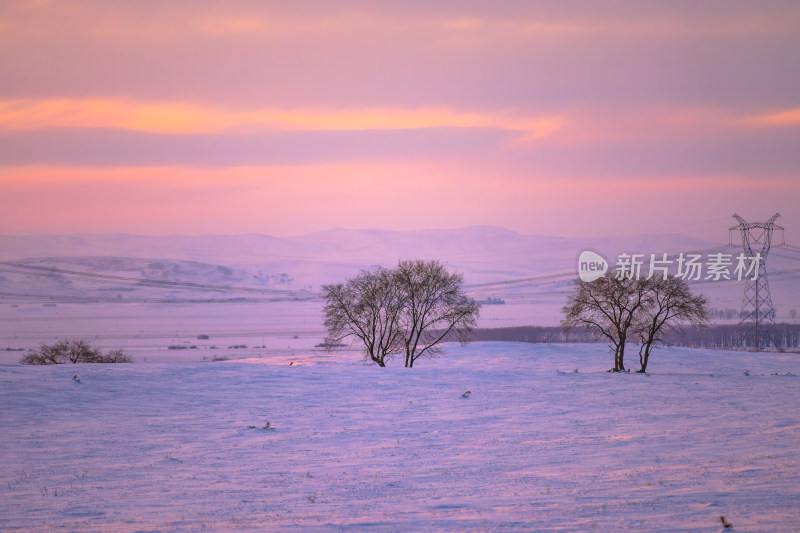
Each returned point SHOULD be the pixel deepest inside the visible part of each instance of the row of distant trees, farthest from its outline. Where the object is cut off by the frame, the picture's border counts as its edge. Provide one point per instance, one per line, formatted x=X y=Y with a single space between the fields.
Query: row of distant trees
x=726 y=336
x=729 y=336
x=733 y=314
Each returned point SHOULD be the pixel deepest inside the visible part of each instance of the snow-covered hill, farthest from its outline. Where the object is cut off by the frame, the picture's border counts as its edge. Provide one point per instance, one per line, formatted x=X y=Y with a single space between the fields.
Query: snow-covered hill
x=483 y=254
x=474 y=250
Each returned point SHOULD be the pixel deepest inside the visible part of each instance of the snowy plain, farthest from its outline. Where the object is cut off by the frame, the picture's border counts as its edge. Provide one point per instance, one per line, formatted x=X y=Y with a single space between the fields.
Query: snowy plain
x=536 y=445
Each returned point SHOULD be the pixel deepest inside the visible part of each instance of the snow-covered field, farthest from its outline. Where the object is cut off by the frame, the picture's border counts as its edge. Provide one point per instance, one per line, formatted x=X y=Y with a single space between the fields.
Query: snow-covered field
x=535 y=447
x=147 y=331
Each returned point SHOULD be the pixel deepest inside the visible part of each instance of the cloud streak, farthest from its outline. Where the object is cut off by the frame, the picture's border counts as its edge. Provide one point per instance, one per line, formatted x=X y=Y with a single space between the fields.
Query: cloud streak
x=784 y=118
x=180 y=117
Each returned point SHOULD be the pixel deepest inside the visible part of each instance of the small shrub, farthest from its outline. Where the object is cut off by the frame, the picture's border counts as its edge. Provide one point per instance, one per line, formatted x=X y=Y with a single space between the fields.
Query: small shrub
x=329 y=345
x=116 y=356
x=72 y=351
x=266 y=425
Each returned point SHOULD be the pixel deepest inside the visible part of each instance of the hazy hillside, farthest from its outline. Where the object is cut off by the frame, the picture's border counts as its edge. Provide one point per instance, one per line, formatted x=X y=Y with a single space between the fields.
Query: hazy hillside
x=477 y=249
x=533 y=271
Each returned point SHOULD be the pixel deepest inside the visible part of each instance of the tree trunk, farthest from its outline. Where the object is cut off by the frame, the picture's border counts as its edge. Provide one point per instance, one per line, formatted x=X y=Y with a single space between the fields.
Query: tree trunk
x=642 y=363
x=646 y=357
x=619 y=355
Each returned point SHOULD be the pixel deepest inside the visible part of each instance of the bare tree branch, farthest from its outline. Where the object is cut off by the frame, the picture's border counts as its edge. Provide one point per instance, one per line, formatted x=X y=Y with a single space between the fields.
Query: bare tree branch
x=367 y=308
x=610 y=306
x=436 y=305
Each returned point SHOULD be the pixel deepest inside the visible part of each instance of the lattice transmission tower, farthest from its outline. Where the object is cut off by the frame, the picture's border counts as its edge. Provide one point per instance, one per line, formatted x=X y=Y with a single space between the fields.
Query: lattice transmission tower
x=757 y=322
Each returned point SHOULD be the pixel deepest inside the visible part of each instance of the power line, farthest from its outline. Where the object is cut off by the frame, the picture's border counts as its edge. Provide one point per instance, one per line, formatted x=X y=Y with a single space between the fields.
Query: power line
x=510 y=288
x=141 y=282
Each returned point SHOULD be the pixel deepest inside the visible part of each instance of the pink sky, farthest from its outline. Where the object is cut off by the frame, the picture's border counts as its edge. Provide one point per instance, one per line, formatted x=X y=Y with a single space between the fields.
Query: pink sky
x=290 y=117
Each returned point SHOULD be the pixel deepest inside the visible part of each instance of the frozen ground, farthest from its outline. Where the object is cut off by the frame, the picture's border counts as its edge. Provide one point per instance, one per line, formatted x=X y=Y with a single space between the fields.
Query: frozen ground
x=147 y=331
x=165 y=446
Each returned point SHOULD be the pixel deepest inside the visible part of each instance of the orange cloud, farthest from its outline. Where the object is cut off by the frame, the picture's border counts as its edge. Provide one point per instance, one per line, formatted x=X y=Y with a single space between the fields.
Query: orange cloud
x=788 y=117
x=581 y=127
x=173 y=118
x=575 y=127
x=586 y=126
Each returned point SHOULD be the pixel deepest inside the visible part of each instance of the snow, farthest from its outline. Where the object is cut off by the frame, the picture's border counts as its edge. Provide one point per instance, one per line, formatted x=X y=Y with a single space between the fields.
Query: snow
x=536 y=446
x=146 y=331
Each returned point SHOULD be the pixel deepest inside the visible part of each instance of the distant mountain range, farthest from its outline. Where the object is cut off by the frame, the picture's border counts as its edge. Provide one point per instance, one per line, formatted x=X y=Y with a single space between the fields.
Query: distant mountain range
x=492 y=259
x=471 y=247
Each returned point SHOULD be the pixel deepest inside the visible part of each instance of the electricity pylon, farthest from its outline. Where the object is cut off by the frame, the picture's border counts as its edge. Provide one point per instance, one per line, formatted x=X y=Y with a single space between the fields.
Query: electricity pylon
x=757 y=319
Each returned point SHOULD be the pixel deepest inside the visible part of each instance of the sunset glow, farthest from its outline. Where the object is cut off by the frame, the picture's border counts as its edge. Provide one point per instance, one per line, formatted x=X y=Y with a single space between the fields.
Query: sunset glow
x=131 y=118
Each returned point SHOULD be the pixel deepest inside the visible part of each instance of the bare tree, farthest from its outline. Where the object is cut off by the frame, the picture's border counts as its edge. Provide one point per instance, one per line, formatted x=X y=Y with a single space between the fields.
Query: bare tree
x=670 y=304
x=609 y=305
x=435 y=307
x=409 y=309
x=368 y=308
